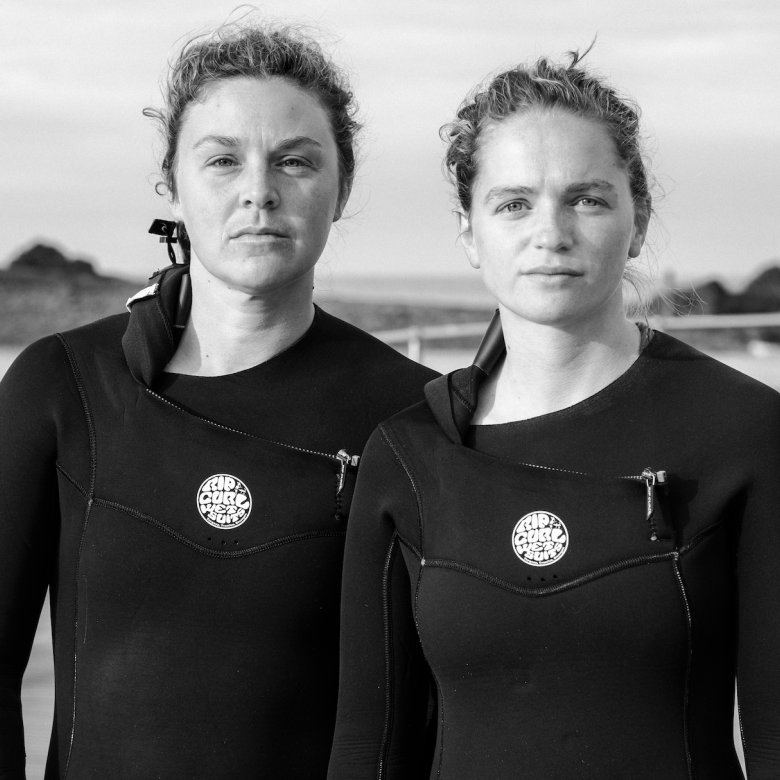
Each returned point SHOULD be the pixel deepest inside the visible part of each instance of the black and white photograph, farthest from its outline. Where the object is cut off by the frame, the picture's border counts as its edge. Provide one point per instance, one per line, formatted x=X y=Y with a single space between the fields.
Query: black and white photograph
x=390 y=391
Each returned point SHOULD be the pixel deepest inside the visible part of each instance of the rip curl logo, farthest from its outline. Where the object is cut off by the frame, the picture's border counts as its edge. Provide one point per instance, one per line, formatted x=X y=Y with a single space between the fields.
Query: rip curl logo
x=224 y=501
x=540 y=538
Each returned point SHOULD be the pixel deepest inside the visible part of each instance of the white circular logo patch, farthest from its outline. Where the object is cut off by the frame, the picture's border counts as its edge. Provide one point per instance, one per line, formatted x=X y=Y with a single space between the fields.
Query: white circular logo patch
x=540 y=538
x=224 y=501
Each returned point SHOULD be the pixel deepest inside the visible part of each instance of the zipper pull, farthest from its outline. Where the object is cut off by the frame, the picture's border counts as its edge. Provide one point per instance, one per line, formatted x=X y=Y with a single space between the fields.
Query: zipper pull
x=347 y=461
x=652 y=478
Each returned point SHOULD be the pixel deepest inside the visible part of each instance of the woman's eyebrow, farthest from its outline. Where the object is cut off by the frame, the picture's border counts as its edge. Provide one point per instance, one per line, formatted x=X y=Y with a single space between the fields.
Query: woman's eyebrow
x=221 y=140
x=597 y=185
x=294 y=143
x=503 y=190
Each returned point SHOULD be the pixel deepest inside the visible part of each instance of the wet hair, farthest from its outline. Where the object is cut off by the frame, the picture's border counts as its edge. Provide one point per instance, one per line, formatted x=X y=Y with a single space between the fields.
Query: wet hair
x=545 y=85
x=247 y=48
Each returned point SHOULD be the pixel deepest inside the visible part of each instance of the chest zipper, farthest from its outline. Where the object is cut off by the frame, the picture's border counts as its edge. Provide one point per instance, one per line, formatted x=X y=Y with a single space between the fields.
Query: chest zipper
x=347 y=462
x=344 y=460
x=652 y=479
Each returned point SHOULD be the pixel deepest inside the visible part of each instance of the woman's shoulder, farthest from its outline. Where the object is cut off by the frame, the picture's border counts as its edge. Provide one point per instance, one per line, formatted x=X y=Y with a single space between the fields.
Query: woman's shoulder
x=710 y=375
x=369 y=358
x=692 y=386
x=48 y=363
x=105 y=333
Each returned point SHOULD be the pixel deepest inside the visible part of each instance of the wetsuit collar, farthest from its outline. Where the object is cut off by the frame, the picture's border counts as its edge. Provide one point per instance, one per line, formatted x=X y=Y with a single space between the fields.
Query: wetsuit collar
x=150 y=339
x=453 y=397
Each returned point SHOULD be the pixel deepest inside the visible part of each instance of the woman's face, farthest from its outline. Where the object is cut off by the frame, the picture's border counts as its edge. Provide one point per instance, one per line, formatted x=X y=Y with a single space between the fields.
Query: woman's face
x=552 y=220
x=257 y=182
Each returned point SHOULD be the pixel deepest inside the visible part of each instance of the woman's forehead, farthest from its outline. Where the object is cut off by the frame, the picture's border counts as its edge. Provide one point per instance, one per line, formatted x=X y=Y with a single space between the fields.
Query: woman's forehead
x=547 y=143
x=250 y=104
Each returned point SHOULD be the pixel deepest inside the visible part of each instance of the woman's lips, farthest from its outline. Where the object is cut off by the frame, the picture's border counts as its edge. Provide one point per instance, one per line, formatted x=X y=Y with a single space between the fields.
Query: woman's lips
x=259 y=235
x=551 y=270
x=260 y=238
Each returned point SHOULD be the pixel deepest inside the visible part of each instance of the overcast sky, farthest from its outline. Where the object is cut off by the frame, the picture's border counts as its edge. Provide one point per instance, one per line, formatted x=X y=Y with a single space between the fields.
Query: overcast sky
x=79 y=160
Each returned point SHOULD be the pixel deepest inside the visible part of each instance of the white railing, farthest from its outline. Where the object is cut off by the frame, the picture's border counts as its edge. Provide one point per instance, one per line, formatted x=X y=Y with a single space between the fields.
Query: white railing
x=414 y=336
x=717 y=321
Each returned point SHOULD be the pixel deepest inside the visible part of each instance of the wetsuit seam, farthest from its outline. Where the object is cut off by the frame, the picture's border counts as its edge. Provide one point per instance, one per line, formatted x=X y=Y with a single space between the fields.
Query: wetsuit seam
x=742 y=730
x=217 y=553
x=90 y=497
x=688 y=664
x=439 y=690
x=688 y=546
x=549 y=590
x=395 y=449
x=463 y=400
x=73 y=481
x=166 y=321
x=384 y=745
x=87 y=413
x=406 y=543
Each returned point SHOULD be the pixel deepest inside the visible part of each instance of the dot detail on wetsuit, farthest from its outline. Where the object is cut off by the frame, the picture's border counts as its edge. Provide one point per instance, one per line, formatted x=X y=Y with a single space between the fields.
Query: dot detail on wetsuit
x=540 y=538
x=224 y=501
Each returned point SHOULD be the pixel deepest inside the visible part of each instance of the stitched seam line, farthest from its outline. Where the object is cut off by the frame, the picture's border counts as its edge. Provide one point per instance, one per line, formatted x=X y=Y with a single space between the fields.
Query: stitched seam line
x=549 y=590
x=409 y=546
x=87 y=413
x=688 y=546
x=216 y=553
x=460 y=398
x=417 y=497
x=686 y=693
x=439 y=690
x=166 y=321
x=742 y=731
x=89 y=496
x=72 y=480
x=384 y=746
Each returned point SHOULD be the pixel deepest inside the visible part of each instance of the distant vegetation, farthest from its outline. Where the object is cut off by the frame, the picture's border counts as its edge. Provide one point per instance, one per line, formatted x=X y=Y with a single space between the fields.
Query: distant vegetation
x=761 y=295
x=42 y=291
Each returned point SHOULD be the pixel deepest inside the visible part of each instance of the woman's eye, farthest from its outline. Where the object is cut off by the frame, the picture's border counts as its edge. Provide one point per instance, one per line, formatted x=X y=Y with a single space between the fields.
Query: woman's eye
x=222 y=162
x=515 y=205
x=294 y=162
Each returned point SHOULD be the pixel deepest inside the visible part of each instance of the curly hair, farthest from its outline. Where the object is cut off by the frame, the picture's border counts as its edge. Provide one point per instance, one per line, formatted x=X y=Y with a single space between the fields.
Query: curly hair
x=544 y=85
x=246 y=48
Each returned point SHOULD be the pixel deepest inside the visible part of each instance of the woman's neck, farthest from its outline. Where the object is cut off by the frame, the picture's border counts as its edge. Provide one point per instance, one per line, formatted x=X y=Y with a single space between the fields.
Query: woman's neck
x=548 y=368
x=229 y=330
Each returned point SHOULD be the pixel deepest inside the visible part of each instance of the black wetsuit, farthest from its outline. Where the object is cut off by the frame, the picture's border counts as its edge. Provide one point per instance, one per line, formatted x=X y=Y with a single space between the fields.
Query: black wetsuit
x=191 y=530
x=569 y=632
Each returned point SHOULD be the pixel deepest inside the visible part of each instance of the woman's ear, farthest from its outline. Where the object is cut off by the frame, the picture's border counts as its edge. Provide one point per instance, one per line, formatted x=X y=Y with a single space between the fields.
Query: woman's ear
x=174 y=204
x=641 y=222
x=466 y=236
x=344 y=191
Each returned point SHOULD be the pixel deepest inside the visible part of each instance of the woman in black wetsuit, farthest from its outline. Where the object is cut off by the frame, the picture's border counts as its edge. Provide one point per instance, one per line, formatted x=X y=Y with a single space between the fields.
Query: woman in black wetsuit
x=575 y=541
x=180 y=476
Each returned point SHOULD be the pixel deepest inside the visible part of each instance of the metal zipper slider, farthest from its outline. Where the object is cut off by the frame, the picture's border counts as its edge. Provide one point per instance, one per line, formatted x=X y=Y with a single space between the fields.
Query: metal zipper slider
x=652 y=478
x=347 y=461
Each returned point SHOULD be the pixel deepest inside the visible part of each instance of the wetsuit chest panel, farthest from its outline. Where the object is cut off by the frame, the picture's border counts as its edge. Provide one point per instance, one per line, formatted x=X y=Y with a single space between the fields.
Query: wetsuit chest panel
x=533 y=527
x=593 y=674
x=205 y=640
x=221 y=489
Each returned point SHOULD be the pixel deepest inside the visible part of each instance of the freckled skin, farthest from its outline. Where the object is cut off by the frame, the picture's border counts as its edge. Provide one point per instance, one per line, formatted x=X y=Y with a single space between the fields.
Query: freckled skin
x=527 y=214
x=236 y=169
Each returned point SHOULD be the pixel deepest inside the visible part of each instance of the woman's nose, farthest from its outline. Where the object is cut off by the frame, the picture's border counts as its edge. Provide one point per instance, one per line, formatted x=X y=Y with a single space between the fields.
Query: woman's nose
x=259 y=188
x=553 y=231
